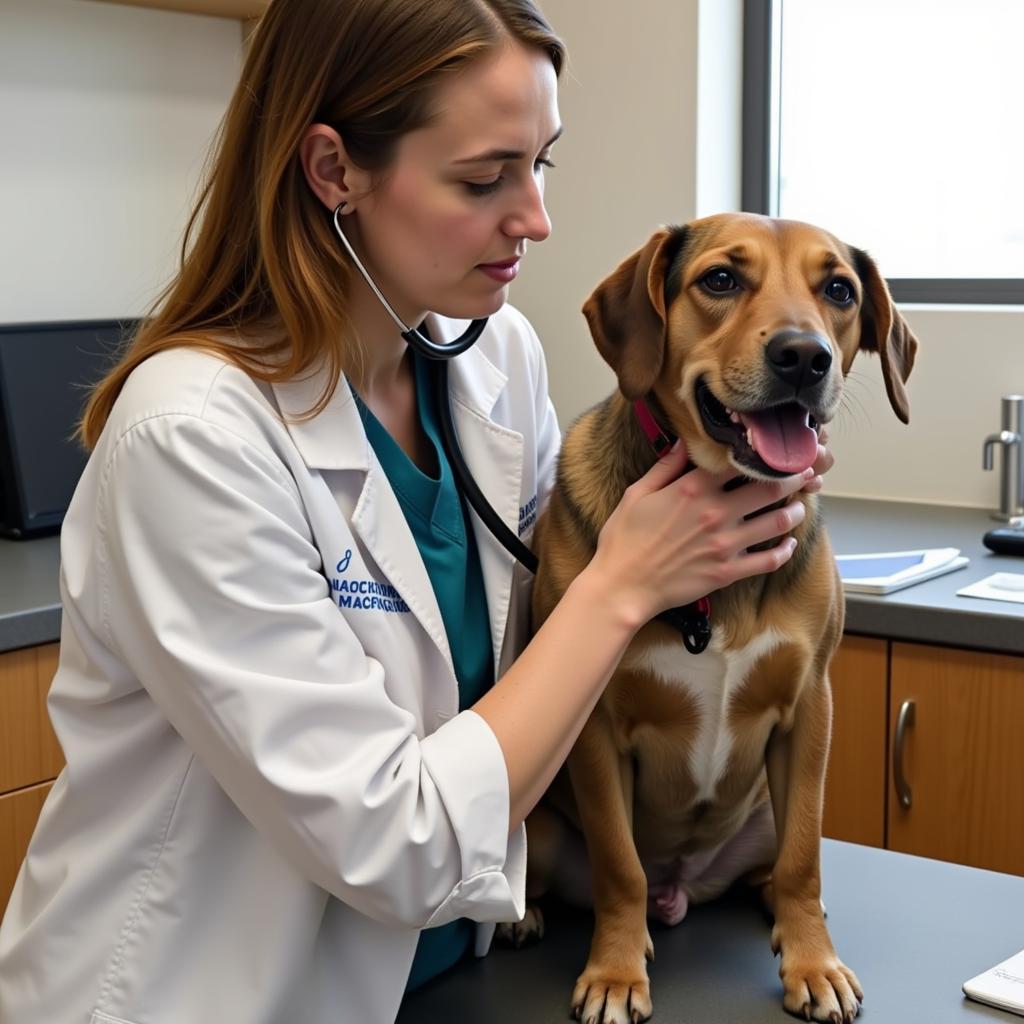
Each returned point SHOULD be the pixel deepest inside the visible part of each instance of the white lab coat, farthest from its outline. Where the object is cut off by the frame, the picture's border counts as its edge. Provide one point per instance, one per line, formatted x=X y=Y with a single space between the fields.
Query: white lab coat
x=269 y=788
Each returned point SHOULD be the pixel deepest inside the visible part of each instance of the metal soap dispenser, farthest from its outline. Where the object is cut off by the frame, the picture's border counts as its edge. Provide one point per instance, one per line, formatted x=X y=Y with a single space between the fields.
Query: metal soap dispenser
x=1011 y=498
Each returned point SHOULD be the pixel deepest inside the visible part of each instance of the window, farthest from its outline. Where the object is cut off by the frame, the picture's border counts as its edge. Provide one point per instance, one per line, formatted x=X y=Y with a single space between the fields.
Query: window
x=897 y=125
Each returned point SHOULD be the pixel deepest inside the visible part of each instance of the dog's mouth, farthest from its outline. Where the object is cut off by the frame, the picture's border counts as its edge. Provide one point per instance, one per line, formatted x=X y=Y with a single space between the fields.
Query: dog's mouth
x=775 y=441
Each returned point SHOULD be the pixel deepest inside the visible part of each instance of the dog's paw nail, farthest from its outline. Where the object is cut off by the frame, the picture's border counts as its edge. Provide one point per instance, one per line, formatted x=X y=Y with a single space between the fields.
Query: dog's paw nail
x=807 y=1011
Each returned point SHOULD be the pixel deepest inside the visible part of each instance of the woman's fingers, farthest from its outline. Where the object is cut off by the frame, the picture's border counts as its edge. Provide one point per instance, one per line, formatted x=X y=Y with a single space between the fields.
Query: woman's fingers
x=677 y=536
x=813 y=485
x=770 y=524
x=750 y=499
x=823 y=462
x=756 y=563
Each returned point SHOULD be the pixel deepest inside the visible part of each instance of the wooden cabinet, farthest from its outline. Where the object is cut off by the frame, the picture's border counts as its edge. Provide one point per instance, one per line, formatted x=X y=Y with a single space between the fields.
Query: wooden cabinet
x=960 y=761
x=18 y=814
x=30 y=756
x=856 y=779
x=962 y=757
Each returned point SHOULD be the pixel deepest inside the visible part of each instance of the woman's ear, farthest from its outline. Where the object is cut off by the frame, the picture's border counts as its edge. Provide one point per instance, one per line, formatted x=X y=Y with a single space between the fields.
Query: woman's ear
x=329 y=170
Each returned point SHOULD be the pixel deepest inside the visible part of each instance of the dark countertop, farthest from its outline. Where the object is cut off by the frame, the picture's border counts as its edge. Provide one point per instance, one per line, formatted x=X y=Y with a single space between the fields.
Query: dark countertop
x=913 y=930
x=29 y=592
x=929 y=612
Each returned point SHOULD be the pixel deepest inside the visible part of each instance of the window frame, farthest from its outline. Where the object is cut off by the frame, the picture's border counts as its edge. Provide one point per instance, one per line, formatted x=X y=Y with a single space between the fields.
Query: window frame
x=762 y=21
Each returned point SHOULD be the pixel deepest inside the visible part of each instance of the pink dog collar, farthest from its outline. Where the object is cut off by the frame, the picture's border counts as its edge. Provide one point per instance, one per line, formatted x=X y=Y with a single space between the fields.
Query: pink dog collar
x=660 y=441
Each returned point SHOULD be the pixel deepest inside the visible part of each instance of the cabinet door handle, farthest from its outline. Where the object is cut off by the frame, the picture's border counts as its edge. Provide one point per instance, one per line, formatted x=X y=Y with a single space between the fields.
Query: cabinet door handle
x=903 y=720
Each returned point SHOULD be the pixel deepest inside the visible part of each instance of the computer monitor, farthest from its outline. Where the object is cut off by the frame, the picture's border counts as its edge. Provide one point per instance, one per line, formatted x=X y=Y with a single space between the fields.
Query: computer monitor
x=46 y=370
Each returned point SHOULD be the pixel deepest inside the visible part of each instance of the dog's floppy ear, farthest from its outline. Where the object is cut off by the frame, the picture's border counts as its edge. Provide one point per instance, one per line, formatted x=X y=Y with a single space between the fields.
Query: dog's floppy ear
x=884 y=331
x=626 y=313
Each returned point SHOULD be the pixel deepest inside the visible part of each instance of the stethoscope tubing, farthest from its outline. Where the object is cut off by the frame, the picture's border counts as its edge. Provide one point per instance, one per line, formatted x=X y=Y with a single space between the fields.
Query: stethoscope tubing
x=425 y=346
x=450 y=442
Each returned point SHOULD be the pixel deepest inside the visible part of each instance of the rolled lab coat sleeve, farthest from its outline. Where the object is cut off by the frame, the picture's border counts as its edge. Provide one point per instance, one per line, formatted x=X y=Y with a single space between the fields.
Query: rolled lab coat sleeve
x=213 y=594
x=495 y=876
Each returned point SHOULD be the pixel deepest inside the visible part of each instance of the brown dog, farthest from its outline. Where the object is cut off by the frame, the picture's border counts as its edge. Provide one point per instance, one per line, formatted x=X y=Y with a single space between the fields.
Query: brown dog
x=695 y=769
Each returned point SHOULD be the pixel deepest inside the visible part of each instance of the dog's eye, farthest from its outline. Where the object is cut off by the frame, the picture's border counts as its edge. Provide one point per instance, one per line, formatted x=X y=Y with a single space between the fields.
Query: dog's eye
x=719 y=280
x=839 y=290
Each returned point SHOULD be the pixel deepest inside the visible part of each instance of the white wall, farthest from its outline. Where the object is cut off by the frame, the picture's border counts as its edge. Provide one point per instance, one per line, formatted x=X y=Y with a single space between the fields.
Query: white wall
x=652 y=137
x=625 y=165
x=107 y=113
x=651 y=104
x=968 y=358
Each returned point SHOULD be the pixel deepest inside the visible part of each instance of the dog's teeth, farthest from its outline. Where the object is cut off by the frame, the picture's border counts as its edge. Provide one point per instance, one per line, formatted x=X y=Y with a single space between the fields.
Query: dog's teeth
x=750 y=440
x=734 y=416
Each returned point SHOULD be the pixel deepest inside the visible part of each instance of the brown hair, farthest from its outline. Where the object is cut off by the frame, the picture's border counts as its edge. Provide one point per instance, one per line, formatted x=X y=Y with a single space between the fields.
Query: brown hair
x=264 y=282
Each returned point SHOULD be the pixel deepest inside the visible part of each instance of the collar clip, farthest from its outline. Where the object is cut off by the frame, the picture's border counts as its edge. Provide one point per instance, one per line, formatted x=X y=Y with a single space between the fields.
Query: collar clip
x=660 y=440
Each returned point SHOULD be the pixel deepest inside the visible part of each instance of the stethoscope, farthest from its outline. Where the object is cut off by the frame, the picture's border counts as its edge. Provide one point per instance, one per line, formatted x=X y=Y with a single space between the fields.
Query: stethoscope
x=693 y=621
x=438 y=356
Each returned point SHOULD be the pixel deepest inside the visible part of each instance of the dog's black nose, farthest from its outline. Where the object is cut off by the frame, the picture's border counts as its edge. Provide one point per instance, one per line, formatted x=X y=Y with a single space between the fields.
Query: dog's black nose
x=798 y=358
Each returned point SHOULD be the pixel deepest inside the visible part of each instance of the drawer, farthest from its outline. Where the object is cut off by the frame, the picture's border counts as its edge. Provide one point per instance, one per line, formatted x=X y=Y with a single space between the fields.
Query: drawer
x=18 y=815
x=29 y=752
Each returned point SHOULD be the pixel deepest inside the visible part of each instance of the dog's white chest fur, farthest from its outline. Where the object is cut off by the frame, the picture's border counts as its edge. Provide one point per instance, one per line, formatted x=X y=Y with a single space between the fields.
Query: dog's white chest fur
x=712 y=679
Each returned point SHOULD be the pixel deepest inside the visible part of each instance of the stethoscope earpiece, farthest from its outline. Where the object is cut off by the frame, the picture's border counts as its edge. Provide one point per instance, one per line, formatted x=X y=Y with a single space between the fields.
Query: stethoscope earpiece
x=422 y=344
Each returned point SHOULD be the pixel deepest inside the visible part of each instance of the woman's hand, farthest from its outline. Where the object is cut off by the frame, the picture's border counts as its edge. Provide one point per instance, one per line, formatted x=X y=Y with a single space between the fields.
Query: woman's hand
x=822 y=464
x=673 y=539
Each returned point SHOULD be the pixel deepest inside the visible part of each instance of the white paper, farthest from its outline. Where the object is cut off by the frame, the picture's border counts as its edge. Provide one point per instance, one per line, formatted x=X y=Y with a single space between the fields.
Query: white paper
x=1000 y=586
x=1002 y=985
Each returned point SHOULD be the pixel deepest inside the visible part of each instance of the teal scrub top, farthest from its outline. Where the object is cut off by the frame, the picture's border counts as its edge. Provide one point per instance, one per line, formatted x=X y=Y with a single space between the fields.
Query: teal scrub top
x=438 y=519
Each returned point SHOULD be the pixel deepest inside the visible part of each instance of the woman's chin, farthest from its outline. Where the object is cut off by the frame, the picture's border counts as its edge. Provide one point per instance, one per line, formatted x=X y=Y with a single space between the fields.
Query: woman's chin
x=474 y=309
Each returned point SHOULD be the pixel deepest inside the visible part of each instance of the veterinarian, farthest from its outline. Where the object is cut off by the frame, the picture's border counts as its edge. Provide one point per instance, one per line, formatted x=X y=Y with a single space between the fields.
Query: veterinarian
x=302 y=721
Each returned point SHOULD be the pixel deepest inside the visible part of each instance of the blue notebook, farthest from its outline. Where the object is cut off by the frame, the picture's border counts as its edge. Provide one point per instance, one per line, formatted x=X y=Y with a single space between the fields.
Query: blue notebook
x=884 y=572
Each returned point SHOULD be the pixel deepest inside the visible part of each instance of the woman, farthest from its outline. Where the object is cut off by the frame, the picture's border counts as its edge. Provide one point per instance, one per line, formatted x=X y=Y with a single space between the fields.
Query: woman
x=287 y=753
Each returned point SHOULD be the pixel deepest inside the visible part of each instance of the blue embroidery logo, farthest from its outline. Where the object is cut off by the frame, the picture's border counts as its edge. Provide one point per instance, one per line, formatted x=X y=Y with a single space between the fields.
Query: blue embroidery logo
x=527 y=515
x=365 y=595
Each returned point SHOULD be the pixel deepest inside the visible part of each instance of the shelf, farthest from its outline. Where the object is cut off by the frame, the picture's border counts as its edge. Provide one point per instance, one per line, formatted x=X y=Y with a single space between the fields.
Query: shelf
x=241 y=9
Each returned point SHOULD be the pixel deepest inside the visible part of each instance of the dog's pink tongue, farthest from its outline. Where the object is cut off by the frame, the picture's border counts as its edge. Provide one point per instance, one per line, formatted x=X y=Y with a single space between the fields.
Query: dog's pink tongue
x=782 y=437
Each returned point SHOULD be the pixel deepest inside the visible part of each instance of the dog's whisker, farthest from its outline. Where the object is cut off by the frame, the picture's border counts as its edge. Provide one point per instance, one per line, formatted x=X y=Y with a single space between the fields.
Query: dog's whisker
x=852 y=405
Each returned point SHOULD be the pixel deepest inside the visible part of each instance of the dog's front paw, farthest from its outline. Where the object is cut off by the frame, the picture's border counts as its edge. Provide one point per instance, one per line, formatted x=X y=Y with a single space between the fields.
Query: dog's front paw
x=523 y=933
x=817 y=985
x=605 y=995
